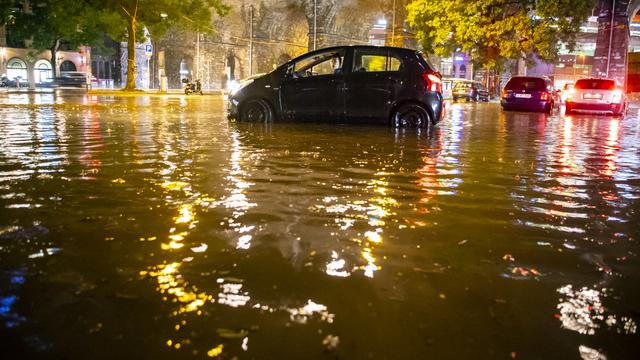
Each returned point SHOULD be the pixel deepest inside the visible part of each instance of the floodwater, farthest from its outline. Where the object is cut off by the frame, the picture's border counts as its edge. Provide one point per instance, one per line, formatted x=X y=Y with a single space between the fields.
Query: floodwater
x=152 y=227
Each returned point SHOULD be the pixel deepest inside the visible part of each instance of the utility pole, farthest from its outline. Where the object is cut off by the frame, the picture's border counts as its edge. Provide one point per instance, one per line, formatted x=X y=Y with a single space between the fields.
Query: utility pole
x=611 y=26
x=393 y=25
x=315 y=15
x=251 y=42
x=197 y=55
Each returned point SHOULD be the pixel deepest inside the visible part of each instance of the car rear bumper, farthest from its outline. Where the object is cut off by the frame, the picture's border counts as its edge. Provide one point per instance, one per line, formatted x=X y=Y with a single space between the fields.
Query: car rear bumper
x=533 y=105
x=602 y=108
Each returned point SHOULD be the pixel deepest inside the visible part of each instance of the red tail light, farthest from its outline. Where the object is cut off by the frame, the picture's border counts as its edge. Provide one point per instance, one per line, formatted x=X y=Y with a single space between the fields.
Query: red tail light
x=545 y=96
x=434 y=81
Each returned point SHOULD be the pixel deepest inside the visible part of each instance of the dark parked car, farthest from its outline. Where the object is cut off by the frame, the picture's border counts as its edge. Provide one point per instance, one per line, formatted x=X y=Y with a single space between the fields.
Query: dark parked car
x=386 y=85
x=528 y=93
x=71 y=79
x=470 y=91
x=597 y=96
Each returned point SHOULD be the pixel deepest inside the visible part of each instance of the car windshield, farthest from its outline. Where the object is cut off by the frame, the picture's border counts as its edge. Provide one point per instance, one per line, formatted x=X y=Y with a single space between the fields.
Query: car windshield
x=525 y=83
x=595 y=84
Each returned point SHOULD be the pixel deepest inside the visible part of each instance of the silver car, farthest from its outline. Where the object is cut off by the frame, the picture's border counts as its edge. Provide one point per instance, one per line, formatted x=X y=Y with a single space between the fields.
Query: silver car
x=600 y=96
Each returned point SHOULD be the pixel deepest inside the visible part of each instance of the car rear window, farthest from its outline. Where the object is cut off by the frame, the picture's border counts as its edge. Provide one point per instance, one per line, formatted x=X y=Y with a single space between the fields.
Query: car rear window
x=525 y=83
x=426 y=61
x=595 y=84
x=462 y=85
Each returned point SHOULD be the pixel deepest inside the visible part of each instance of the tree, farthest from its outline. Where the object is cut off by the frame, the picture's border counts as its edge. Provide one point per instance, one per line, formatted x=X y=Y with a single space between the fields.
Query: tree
x=494 y=31
x=127 y=19
x=48 y=23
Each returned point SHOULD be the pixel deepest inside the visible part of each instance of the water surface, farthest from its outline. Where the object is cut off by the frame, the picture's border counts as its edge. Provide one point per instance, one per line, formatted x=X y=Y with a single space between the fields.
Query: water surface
x=151 y=227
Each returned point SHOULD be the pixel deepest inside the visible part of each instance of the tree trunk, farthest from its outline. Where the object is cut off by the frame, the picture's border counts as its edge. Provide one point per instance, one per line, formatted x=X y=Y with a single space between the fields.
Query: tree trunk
x=132 y=70
x=54 y=61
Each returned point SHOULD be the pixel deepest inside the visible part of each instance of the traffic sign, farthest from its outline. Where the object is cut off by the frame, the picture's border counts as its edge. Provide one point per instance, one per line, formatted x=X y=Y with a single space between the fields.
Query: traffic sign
x=148 y=50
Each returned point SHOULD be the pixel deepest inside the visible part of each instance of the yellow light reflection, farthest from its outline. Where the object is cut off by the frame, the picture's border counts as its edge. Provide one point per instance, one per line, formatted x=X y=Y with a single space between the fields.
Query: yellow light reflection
x=186 y=214
x=216 y=351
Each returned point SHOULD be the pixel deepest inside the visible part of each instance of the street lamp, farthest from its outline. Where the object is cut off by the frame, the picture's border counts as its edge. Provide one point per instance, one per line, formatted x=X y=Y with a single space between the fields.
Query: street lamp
x=251 y=42
x=315 y=15
x=393 y=25
x=3 y=55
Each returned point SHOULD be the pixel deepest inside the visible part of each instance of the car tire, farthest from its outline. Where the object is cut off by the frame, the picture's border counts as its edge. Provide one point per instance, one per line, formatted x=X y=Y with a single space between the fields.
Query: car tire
x=621 y=113
x=258 y=111
x=410 y=116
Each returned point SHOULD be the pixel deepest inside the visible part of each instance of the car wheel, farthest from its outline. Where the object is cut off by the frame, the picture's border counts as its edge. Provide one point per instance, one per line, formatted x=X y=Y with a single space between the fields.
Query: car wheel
x=621 y=113
x=256 y=111
x=410 y=116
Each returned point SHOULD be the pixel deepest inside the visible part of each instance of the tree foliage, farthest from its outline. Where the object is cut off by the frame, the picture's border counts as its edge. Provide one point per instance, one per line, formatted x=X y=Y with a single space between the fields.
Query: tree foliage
x=494 y=31
x=127 y=19
x=48 y=23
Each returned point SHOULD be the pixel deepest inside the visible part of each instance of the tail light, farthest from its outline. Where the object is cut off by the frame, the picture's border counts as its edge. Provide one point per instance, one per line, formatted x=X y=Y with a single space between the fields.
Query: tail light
x=504 y=93
x=616 y=98
x=434 y=81
x=545 y=96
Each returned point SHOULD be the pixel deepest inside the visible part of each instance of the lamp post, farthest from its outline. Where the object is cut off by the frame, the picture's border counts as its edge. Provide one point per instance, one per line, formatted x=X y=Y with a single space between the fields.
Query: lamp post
x=315 y=15
x=3 y=55
x=393 y=25
x=613 y=17
x=251 y=42
x=197 y=55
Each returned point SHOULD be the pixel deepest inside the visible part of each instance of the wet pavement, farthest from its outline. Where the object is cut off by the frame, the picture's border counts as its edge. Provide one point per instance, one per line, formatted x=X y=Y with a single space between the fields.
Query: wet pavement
x=151 y=227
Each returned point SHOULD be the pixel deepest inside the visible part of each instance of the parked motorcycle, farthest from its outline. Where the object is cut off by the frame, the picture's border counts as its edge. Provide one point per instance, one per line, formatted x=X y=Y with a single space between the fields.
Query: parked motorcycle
x=192 y=87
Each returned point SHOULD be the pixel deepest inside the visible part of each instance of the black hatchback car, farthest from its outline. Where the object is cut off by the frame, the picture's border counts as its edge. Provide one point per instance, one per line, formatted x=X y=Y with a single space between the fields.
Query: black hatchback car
x=368 y=84
x=528 y=93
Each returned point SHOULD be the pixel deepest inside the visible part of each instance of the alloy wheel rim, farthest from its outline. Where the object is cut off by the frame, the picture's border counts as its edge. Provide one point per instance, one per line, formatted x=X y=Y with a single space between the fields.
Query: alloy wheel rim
x=410 y=118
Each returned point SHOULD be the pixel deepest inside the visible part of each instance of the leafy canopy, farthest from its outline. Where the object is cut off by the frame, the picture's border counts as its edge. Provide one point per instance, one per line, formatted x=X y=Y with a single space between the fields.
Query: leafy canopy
x=47 y=22
x=494 y=31
x=157 y=16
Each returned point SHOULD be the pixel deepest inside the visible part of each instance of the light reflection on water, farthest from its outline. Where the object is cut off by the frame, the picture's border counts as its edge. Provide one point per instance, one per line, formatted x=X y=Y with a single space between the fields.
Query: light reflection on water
x=235 y=237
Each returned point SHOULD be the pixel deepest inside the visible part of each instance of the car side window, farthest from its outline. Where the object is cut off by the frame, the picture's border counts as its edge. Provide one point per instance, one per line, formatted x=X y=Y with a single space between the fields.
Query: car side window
x=370 y=61
x=326 y=63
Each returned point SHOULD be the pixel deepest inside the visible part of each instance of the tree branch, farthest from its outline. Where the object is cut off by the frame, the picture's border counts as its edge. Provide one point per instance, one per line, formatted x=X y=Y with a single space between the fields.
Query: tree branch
x=124 y=9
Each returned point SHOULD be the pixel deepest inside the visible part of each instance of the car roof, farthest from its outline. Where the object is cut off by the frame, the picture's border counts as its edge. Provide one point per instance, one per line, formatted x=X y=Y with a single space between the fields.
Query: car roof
x=531 y=77
x=372 y=47
x=596 y=78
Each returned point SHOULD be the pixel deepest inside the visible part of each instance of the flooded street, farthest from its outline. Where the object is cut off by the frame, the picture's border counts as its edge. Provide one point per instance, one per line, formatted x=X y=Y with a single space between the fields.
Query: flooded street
x=152 y=227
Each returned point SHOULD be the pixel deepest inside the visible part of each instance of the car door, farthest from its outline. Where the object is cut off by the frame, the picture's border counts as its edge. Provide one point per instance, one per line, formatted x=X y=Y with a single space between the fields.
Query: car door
x=372 y=84
x=313 y=87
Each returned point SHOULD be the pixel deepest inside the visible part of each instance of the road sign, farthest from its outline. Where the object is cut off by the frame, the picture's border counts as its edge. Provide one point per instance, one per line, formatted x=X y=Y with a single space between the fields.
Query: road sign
x=148 y=50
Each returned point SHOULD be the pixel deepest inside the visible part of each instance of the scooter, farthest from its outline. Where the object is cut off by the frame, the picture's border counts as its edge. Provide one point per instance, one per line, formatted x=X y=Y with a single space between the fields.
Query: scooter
x=192 y=88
